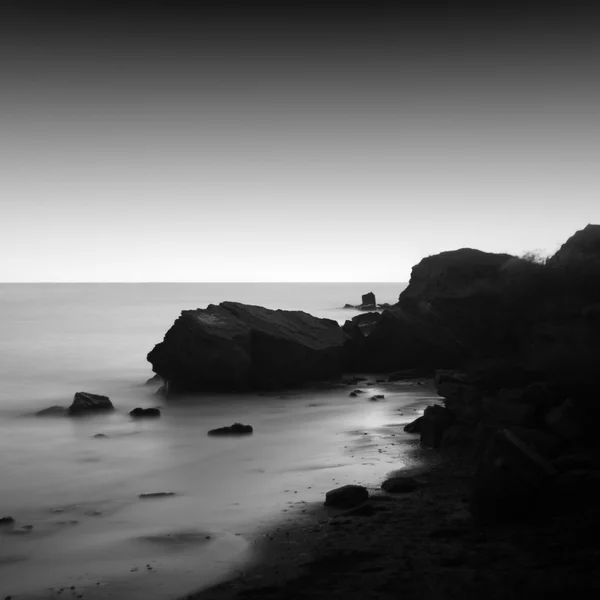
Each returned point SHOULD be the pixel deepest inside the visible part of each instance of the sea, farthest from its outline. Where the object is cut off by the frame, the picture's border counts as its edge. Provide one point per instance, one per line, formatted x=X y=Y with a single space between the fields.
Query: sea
x=75 y=497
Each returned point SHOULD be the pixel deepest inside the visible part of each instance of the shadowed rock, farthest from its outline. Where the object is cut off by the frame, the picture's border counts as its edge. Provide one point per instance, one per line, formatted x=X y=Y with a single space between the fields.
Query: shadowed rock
x=52 y=411
x=157 y=495
x=86 y=403
x=235 y=429
x=347 y=496
x=236 y=346
x=145 y=413
x=400 y=485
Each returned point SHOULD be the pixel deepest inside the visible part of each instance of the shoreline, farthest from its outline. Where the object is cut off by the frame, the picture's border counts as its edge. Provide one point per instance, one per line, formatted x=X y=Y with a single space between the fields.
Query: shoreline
x=422 y=545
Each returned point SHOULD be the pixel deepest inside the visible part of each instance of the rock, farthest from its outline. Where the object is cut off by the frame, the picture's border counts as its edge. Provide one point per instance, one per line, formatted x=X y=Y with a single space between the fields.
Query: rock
x=377 y=397
x=368 y=302
x=510 y=480
x=566 y=420
x=353 y=395
x=145 y=413
x=464 y=400
x=358 y=392
x=457 y=434
x=156 y=378
x=235 y=429
x=347 y=496
x=236 y=346
x=157 y=495
x=52 y=411
x=403 y=374
x=100 y=436
x=570 y=462
x=7 y=521
x=547 y=444
x=507 y=412
x=86 y=403
x=399 y=485
x=436 y=419
x=383 y=306
x=414 y=426
x=366 y=321
x=349 y=306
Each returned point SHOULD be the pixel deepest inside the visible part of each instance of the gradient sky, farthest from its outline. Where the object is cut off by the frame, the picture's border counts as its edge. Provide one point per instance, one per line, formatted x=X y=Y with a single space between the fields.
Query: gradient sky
x=187 y=146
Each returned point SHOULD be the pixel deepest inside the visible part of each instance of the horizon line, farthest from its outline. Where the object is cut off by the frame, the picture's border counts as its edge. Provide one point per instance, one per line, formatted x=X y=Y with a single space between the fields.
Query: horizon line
x=182 y=282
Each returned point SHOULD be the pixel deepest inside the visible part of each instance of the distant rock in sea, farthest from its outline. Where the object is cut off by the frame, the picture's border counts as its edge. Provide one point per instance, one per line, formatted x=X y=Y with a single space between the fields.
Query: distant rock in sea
x=86 y=403
x=235 y=429
x=141 y=413
x=234 y=347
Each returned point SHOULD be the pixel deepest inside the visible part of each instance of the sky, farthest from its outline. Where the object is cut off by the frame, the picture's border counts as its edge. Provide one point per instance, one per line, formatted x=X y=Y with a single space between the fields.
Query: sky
x=187 y=145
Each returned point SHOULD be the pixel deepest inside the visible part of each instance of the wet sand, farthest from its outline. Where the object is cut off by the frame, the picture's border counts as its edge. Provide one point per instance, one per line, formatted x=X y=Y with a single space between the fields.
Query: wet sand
x=92 y=533
x=422 y=545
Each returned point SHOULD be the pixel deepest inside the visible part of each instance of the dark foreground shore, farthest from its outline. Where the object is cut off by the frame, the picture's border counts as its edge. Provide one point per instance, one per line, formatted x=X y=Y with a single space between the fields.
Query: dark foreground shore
x=422 y=545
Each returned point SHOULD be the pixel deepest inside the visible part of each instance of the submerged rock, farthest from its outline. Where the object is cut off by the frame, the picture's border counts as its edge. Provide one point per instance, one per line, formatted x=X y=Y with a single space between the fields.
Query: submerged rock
x=85 y=403
x=235 y=429
x=236 y=346
x=141 y=413
x=52 y=411
x=157 y=495
x=347 y=496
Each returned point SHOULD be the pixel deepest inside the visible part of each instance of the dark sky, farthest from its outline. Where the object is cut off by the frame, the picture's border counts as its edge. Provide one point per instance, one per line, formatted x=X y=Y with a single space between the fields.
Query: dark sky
x=292 y=144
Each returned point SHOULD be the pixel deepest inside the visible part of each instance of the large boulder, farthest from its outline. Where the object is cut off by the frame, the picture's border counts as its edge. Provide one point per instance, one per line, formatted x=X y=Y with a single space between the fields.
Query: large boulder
x=347 y=496
x=443 y=315
x=236 y=346
x=436 y=419
x=85 y=403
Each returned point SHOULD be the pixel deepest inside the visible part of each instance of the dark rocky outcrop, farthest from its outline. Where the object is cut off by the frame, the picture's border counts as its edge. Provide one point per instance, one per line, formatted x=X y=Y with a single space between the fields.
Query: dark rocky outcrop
x=85 y=403
x=145 y=413
x=414 y=426
x=7 y=521
x=236 y=346
x=347 y=496
x=235 y=429
x=441 y=316
x=368 y=301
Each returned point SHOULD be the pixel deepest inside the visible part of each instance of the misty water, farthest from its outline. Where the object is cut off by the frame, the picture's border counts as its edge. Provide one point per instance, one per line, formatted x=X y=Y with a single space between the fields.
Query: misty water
x=81 y=493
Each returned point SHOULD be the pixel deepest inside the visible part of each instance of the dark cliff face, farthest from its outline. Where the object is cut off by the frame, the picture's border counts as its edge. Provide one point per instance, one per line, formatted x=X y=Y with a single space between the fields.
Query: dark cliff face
x=465 y=306
x=443 y=315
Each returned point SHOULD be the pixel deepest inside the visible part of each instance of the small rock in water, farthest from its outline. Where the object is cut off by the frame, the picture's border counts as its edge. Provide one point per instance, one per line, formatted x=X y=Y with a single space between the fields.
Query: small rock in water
x=145 y=413
x=100 y=435
x=358 y=392
x=235 y=429
x=7 y=521
x=52 y=411
x=157 y=494
x=353 y=395
x=84 y=403
x=376 y=397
